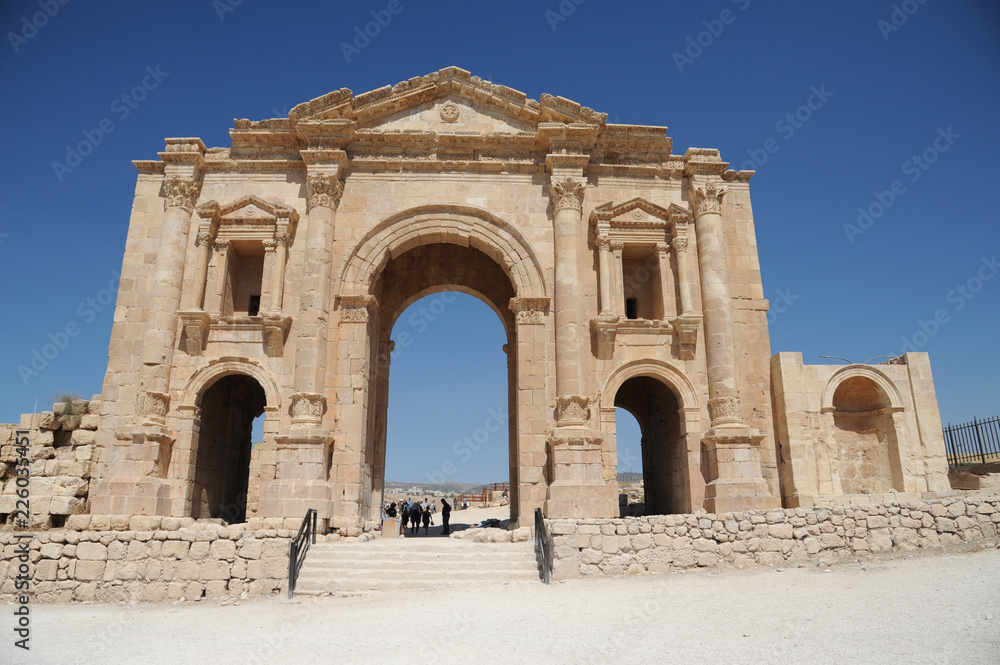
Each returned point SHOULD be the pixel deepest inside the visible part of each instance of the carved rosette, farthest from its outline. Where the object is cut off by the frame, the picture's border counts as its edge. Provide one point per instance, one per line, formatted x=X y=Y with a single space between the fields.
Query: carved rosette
x=567 y=193
x=325 y=190
x=152 y=406
x=307 y=408
x=724 y=410
x=707 y=198
x=529 y=311
x=181 y=192
x=572 y=410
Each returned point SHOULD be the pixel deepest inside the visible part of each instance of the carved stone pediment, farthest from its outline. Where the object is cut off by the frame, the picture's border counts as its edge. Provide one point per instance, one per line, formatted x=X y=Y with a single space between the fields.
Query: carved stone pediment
x=428 y=96
x=249 y=218
x=638 y=220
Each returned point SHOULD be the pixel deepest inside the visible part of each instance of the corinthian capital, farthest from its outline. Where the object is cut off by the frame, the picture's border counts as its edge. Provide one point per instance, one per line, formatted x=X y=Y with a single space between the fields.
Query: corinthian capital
x=707 y=198
x=567 y=193
x=324 y=190
x=181 y=192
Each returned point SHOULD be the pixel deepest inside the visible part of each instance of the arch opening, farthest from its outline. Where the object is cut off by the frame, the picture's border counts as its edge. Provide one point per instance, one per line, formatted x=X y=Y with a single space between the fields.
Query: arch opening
x=417 y=290
x=656 y=408
x=229 y=407
x=866 y=447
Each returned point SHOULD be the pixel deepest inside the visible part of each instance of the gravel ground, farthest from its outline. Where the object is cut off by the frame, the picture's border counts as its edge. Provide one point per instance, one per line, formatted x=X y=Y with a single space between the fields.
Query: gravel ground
x=923 y=609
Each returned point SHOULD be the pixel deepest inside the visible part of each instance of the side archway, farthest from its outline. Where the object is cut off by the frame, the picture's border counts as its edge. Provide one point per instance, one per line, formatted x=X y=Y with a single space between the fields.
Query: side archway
x=215 y=455
x=665 y=404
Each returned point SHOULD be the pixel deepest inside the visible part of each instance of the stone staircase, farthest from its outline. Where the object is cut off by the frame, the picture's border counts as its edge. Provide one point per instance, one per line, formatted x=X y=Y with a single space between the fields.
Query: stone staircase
x=413 y=563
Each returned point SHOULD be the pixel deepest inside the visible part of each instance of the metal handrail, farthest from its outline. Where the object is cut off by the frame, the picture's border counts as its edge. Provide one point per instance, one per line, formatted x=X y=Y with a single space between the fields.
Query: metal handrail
x=543 y=546
x=298 y=548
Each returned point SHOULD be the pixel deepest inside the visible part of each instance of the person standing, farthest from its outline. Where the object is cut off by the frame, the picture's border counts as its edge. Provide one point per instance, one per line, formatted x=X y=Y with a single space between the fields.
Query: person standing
x=414 y=519
x=445 y=516
x=427 y=519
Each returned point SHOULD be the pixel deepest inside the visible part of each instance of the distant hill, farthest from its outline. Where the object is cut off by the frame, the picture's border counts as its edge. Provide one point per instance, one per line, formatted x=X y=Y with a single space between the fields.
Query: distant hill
x=427 y=488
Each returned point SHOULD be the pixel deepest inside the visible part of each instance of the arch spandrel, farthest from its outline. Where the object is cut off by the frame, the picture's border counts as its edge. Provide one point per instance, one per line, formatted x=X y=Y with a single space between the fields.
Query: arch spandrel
x=454 y=223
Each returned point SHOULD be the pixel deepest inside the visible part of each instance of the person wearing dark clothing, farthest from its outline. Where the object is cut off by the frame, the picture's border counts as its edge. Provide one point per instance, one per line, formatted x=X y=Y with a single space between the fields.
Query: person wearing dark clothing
x=391 y=510
x=445 y=516
x=404 y=517
x=414 y=519
x=427 y=519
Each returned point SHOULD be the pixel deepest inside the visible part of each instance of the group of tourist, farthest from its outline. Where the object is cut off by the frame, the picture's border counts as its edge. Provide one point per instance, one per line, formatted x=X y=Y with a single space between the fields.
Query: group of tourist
x=416 y=513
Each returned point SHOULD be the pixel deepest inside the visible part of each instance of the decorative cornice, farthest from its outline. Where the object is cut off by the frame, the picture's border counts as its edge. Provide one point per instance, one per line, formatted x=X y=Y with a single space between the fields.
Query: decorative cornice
x=357 y=308
x=325 y=190
x=567 y=193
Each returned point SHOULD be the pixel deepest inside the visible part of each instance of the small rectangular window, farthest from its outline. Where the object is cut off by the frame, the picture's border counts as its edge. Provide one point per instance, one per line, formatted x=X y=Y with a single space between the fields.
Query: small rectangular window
x=254 y=307
x=631 y=308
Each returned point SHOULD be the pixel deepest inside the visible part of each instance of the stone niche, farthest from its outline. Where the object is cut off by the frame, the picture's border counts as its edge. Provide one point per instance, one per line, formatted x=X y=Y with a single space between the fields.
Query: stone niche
x=850 y=432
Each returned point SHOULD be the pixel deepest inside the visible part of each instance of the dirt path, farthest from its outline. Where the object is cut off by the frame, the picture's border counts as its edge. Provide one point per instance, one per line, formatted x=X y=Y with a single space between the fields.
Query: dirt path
x=927 y=609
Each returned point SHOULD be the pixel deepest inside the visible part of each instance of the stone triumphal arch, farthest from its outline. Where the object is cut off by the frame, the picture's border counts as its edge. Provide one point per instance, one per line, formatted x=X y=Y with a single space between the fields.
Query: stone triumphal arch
x=265 y=278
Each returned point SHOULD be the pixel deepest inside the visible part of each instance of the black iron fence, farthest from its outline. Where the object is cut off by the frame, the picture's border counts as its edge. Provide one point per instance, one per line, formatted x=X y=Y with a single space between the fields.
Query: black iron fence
x=973 y=443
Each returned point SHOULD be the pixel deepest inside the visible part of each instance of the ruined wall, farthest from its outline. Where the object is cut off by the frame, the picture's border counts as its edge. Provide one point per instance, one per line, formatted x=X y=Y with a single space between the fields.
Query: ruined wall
x=774 y=537
x=62 y=451
x=123 y=558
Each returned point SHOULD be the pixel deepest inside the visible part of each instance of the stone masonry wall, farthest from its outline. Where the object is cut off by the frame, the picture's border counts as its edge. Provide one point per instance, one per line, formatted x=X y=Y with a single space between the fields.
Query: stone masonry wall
x=122 y=558
x=62 y=450
x=777 y=537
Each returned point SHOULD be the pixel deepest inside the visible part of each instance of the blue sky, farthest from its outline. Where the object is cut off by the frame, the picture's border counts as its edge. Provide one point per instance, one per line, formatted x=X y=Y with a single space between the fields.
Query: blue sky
x=903 y=125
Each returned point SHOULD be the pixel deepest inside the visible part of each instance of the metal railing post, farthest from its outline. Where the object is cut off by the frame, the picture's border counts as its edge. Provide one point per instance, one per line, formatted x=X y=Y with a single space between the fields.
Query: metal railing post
x=979 y=441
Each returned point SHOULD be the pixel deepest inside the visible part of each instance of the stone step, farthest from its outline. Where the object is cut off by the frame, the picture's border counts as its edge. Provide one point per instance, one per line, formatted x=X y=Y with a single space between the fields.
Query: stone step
x=414 y=564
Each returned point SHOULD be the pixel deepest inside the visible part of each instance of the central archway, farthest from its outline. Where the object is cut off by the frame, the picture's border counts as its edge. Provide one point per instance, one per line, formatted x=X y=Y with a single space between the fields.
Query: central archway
x=420 y=252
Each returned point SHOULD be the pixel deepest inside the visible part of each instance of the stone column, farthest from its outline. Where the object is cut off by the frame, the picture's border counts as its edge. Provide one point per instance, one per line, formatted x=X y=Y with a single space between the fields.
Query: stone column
x=618 y=278
x=680 y=245
x=724 y=399
x=324 y=190
x=304 y=451
x=663 y=268
x=278 y=271
x=577 y=488
x=181 y=192
x=732 y=447
x=194 y=297
x=604 y=256
x=567 y=203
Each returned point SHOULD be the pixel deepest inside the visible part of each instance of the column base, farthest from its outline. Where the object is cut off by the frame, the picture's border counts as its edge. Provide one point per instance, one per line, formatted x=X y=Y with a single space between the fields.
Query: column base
x=734 y=462
x=578 y=489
